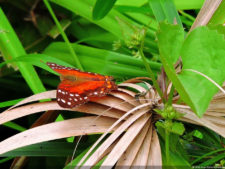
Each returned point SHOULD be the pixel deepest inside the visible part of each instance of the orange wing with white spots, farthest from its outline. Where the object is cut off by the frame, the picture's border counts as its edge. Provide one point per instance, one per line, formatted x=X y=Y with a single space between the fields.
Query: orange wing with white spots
x=78 y=87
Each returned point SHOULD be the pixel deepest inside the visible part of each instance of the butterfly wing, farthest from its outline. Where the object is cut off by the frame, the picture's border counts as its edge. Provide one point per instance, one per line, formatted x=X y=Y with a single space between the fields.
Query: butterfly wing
x=71 y=94
x=78 y=87
x=69 y=71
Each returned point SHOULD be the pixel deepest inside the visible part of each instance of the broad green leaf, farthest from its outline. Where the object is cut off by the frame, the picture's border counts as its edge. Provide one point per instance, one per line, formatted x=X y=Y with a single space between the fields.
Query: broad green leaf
x=101 y=8
x=171 y=34
x=220 y=28
x=204 y=51
x=170 y=38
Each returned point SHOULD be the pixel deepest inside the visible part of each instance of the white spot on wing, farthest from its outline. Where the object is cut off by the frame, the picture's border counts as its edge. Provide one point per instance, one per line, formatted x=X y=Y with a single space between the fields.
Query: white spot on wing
x=69 y=103
x=59 y=91
x=77 y=95
x=63 y=101
x=72 y=95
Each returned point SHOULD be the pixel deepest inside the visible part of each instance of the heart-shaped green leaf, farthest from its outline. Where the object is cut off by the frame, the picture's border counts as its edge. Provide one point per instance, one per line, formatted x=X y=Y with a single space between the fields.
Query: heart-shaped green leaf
x=202 y=51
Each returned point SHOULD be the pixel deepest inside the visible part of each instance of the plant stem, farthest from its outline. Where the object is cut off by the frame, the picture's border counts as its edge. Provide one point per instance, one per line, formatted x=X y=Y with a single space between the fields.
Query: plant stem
x=149 y=70
x=170 y=99
x=76 y=60
x=190 y=17
x=167 y=146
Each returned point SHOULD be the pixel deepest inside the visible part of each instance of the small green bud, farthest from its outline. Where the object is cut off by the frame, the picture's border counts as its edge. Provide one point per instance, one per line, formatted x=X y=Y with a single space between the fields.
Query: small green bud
x=172 y=115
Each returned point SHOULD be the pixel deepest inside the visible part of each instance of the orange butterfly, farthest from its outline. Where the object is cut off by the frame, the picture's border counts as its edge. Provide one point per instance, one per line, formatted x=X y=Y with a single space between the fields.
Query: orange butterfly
x=78 y=87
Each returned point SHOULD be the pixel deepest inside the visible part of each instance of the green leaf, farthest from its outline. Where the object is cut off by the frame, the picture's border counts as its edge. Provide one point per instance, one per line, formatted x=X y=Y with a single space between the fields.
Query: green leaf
x=15 y=126
x=170 y=39
x=213 y=160
x=109 y=22
x=133 y=9
x=101 y=8
x=43 y=149
x=165 y=10
x=177 y=128
x=219 y=15
x=9 y=103
x=102 y=61
x=11 y=48
x=177 y=156
x=197 y=134
x=171 y=34
x=204 y=51
x=54 y=32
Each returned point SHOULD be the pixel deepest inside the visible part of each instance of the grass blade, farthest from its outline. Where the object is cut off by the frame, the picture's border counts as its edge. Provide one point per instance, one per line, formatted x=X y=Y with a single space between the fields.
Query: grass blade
x=11 y=48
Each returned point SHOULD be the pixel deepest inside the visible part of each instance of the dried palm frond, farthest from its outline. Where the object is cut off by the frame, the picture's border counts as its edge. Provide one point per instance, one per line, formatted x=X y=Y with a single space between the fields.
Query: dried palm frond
x=128 y=115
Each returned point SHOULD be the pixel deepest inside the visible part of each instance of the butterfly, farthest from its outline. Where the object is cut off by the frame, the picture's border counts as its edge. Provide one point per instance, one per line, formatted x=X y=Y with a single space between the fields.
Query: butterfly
x=77 y=87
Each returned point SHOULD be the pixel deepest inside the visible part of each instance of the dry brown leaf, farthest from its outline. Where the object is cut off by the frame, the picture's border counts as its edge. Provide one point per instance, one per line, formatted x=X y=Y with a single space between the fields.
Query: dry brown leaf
x=122 y=105
x=90 y=108
x=94 y=158
x=125 y=97
x=129 y=155
x=57 y=130
x=137 y=80
x=18 y=112
x=134 y=86
x=206 y=13
x=155 y=157
x=202 y=121
x=126 y=139
x=118 y=103
x=142 y=156
x=37 y=97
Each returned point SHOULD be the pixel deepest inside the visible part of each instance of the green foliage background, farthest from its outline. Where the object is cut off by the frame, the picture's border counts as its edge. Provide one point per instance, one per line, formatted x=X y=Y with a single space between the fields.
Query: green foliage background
x=106 y=37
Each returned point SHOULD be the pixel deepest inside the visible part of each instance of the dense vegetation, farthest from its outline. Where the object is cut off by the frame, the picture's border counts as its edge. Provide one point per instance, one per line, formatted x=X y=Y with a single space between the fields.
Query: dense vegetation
x=167 y=57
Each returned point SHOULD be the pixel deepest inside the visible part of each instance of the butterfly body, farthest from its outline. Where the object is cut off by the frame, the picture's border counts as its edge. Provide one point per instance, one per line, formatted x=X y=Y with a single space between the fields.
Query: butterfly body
x=79 y=87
